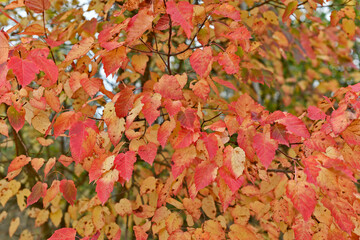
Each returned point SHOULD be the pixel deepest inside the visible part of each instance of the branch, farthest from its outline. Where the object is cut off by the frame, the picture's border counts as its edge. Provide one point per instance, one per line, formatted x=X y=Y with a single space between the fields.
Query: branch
x=258 y=5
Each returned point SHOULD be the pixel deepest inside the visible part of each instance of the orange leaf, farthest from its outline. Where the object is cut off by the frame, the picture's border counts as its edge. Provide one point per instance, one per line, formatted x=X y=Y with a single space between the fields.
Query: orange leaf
x=201 y=61
x=68 y=189
x=290 y=9
x=38 y=6
x=80 y=49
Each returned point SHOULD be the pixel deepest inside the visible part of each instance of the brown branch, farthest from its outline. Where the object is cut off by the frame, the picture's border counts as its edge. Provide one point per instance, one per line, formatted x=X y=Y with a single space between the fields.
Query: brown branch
x=169 y=43
x=258 y=5
x=46 y=36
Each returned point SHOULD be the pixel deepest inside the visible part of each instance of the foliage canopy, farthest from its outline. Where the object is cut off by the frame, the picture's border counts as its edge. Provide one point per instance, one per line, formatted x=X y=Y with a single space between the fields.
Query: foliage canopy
x=163 y=119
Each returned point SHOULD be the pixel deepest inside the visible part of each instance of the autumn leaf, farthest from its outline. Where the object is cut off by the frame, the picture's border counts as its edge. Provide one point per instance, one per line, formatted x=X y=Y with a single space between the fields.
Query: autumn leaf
x=80 y=49
x=181 y=13
x=169 y=87
x=124 y=163
x=201 y=61
x=37 y=191
x=68 y=189
x=64 y=234
x=303 y=197
x=25 y=70
x=64 y=122
x=113 y=60
x=265 y=148
x=105 y=185
x=4 y=47
x=138 y=25
x=290 y=9
x=205 y=173
x=37 y=6
x=295 y=125
x=315 y=113
x=82 y=139
x=230 y=62
x=148 y=152
x=124 y=102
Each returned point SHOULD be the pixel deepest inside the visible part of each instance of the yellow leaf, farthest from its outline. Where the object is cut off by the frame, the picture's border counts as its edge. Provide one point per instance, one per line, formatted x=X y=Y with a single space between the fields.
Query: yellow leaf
x=123 y=207
x=348 y=26
x=41 y=122
x=271 y=17
x=98 y=217
x=56 y=217
x=148 y=185
x=20 y=197
x=26 y=235
x=208 y=206
x=3 y=215
x=14 y=224
x=41 y=217
x=139 y=63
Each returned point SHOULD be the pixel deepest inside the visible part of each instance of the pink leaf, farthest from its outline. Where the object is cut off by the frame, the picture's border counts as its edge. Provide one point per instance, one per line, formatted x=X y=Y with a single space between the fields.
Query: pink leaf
x=201 y=61
x=265 y=148
x=315 y=113
x=169 y=87
x=303 y=197
x=148 y=152
x=295 y=125
x=205 y=173
x=105 y=185
x=230 y=62
x=38 y=6
x=24 y=70
x=181 y=13
x=82 y=139
x=37 y=191
x=124 y=163
x=68 y=189
x=63 y=234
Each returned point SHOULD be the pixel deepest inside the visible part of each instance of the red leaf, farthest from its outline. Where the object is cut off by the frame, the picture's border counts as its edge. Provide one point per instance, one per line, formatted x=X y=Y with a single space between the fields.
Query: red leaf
x=105 y=185
x=91 y=85
x=172 y=107
x=80 y=49
x=39 y=57
x=231 y=182
x=24 y=70
x=164 y=132
x=239 y=34
x=278 y=132
x=124 y=103
x=342 y=212
x=138 y=25
x=211 y=144
x=4 y=47
x=37 y=191
x=319 y=141
x=113 y=60
x=295 y=125
x=201 y=89
x=303 y=197
x=68 y=189
x=302 y=229
x=201 y=61
x=181 y=14
x=148 y=152
x=339 y=120
x=230 y=62
x=188 y=119
x=63 y=234
x=169 y=87
x=16 y=119
x=18 y=162
x=228 y=11
x=182 y=158
x=224 y=83
x=82 y=139
x=265 y=148
x=312 y=169
x=65 y=121
x=290 y=9
x=150 y=108
x=124 y=163
x=205 y=173
x=37 y=6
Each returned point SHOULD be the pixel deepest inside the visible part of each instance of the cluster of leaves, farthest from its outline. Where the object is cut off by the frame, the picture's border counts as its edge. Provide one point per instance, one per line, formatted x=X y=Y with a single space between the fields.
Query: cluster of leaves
x=178 y=148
